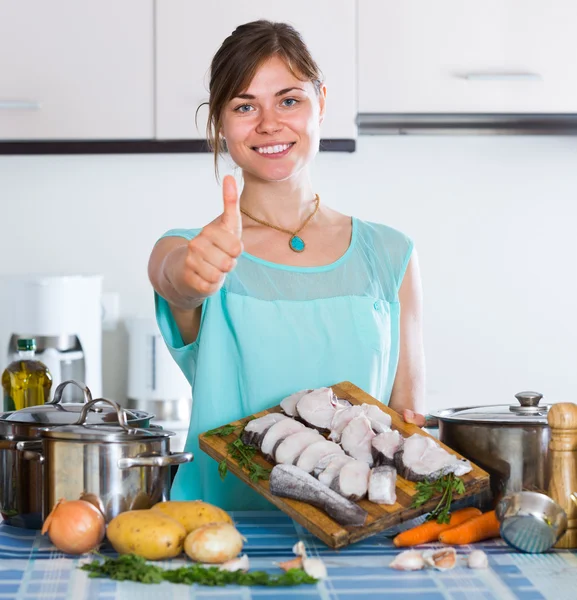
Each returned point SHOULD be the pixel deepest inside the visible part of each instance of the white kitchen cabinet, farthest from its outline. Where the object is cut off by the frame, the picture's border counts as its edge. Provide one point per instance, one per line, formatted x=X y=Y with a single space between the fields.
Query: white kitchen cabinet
x=189 y=34
x=74 y=70
x=466 y=56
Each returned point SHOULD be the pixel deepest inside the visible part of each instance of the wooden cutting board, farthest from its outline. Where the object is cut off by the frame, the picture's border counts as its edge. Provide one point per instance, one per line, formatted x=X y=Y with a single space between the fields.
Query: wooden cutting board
x=314 y=519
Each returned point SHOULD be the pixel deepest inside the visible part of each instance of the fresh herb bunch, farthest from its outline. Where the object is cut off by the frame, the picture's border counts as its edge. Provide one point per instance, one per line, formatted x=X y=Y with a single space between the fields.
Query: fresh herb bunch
x=130 y=567
x=446 y=486
x=242 y=453
x=222 y=431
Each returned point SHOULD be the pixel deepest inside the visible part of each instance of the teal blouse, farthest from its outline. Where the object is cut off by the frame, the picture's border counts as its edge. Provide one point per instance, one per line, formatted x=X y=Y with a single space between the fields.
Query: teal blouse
x=274 y=329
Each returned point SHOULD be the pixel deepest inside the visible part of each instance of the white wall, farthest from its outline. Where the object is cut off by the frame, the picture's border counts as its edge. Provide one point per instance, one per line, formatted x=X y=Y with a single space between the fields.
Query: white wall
x=493 y=219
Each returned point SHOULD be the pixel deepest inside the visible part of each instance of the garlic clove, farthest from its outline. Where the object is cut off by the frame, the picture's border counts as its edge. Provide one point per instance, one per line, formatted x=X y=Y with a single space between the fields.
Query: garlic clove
x=236 y=564
x=409 y=560
x=293 y=563
x=299 y=549
x=442 y=559
x=477 y=559
x=315 y=567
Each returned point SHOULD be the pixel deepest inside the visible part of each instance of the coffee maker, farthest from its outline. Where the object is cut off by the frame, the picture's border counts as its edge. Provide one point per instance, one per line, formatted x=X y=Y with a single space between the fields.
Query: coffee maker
x=63 y=313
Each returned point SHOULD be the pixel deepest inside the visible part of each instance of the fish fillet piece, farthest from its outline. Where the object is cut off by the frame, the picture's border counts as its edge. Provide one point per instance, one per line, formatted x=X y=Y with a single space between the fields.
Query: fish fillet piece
x=311 y=455
x=276 y=433
x=382 y=485
x=292 y=446
x=255 y=430
x=385 y=446
x=288 y=481
x=352 y=481
x=341 y=419
x=318 y=408
x=289 y=403
x=356 y=439
x=380 y=420
x=422 y=458
x=336 y=463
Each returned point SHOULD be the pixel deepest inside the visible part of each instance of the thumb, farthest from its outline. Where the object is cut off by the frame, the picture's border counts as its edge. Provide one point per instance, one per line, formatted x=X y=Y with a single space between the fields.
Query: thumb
x=231 y=218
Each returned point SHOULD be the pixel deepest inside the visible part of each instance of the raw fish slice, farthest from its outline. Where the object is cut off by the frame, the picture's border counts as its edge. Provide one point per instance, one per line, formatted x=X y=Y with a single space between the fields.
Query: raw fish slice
x=278 y=432
x=380 y=420
x=422 y=458
x=341 y=419
x=356 y=439
x=342 y=403
x=311 y=455
x=318 y=408
x=255 y=430
x=293 y=445
x=335 y=464
x=382 y=485
x=290 y=402
x=385 y=446
x=325 y=461
x=288 y=481
x=352 y=481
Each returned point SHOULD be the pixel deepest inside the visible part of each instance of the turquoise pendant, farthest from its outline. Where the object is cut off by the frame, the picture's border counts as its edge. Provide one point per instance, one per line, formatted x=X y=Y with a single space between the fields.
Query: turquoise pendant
x=296 y=243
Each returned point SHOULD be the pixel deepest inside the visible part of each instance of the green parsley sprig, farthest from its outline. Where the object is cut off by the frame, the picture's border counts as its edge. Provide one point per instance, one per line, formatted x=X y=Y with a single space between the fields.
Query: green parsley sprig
x=129 y=567
x=241 y=452
x=447 y=486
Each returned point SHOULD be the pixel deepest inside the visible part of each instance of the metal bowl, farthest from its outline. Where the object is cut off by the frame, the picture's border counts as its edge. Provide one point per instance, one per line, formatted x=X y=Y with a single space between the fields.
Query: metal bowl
x=530 y=521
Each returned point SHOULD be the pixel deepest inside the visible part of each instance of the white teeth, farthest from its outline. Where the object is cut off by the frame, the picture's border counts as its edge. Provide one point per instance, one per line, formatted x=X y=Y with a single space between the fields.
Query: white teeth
x=273 y=149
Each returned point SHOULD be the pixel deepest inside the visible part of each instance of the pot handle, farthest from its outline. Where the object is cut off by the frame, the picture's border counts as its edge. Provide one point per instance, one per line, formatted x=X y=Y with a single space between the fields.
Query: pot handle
x=176 y=458
x=120 y=412
x=60 y=389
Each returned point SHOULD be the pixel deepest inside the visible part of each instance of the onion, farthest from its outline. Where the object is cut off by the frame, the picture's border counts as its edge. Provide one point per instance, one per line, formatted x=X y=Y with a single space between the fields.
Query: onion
x=75 y=526
x=213 y=543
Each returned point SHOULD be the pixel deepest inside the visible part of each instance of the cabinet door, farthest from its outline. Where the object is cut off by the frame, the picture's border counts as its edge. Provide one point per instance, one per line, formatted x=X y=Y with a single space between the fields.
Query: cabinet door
x=495 y=56
x=76 y=70
x=188 y=36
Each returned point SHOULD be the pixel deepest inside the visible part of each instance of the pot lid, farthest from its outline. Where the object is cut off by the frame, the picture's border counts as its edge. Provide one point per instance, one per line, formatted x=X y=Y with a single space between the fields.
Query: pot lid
x=82 y=431
x=527 y=411
x=103 y=433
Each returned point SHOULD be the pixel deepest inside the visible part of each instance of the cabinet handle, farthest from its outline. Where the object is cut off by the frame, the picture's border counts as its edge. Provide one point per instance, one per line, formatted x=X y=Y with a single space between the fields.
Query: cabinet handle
x=19 y=105
x=502 y=77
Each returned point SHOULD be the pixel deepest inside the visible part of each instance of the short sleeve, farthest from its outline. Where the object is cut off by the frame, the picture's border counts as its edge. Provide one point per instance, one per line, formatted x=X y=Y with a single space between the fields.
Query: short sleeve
x=185 y=355
x=388 y=251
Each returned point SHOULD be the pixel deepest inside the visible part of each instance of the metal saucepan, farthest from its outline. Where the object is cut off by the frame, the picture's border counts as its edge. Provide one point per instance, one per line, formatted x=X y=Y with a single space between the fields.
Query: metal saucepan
x=118 y=468
x=21 y=477
x=511 y=442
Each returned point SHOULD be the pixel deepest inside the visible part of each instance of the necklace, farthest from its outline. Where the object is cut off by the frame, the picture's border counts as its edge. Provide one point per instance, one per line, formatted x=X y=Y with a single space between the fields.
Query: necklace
x=296 y=243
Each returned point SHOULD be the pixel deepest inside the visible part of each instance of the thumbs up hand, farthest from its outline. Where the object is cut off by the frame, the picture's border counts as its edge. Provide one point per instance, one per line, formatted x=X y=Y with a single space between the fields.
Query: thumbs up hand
x=213 y=252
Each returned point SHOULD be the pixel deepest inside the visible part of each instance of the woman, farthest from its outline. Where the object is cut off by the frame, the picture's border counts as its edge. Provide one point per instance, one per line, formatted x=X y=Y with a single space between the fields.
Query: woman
x=280 y=292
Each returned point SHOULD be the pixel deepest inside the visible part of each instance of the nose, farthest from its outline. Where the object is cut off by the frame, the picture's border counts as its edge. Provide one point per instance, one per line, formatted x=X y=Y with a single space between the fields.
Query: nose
x=269 y=122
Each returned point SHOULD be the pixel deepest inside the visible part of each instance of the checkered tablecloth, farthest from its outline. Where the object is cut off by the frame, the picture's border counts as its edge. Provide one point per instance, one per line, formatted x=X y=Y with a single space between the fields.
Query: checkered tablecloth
x=31 y=568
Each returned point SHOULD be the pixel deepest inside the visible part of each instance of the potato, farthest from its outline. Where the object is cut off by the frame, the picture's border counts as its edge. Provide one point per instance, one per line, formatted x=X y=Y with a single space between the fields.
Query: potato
x=147 y=533
x=193 y=514
x=213 y=543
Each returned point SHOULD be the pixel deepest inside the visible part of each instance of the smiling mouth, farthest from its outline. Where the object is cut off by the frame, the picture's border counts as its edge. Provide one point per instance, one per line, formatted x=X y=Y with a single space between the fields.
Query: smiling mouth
x=274 y=149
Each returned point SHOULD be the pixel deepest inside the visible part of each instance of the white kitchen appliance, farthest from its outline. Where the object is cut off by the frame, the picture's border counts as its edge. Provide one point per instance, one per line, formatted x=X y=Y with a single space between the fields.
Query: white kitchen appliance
x=63 y=313
x=155 y=382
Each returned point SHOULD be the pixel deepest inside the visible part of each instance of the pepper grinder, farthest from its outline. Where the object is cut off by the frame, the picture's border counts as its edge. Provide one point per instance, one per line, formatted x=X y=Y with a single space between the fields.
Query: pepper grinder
x=562 y=419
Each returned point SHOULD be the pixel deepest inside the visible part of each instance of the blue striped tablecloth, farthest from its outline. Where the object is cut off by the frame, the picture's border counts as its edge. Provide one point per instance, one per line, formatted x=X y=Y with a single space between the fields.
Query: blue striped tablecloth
x=31 y=568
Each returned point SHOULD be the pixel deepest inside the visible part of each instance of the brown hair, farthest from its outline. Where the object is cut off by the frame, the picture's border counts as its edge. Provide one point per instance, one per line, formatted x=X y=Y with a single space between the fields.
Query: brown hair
x=239 y=57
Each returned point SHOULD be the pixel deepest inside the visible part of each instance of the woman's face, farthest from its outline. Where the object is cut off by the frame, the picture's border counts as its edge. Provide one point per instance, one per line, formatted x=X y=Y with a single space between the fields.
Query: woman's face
x=272 y=129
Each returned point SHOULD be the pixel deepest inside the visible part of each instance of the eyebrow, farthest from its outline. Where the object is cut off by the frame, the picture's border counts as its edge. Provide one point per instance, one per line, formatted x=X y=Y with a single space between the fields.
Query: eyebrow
x=280 y=93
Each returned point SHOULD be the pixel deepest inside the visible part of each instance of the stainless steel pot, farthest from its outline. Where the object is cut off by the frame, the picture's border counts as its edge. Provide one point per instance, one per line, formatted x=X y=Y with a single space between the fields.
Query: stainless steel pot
x=118 y=468
x=20 y=472
x=511 y=442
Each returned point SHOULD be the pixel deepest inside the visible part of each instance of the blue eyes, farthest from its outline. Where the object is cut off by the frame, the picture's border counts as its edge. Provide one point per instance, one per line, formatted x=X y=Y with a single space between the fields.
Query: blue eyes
x=246 y=108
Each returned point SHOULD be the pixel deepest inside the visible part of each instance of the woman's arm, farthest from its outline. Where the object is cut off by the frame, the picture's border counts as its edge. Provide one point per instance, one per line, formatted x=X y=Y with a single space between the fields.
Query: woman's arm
x=408 y=395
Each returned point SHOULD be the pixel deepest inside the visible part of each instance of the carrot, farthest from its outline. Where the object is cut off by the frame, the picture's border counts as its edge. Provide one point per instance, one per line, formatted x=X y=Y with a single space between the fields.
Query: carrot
x=430 y=530
x=480 y=528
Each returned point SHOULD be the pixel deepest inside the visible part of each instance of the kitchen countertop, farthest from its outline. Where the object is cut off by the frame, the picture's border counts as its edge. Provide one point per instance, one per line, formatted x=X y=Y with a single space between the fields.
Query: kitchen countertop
x=30 y=569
